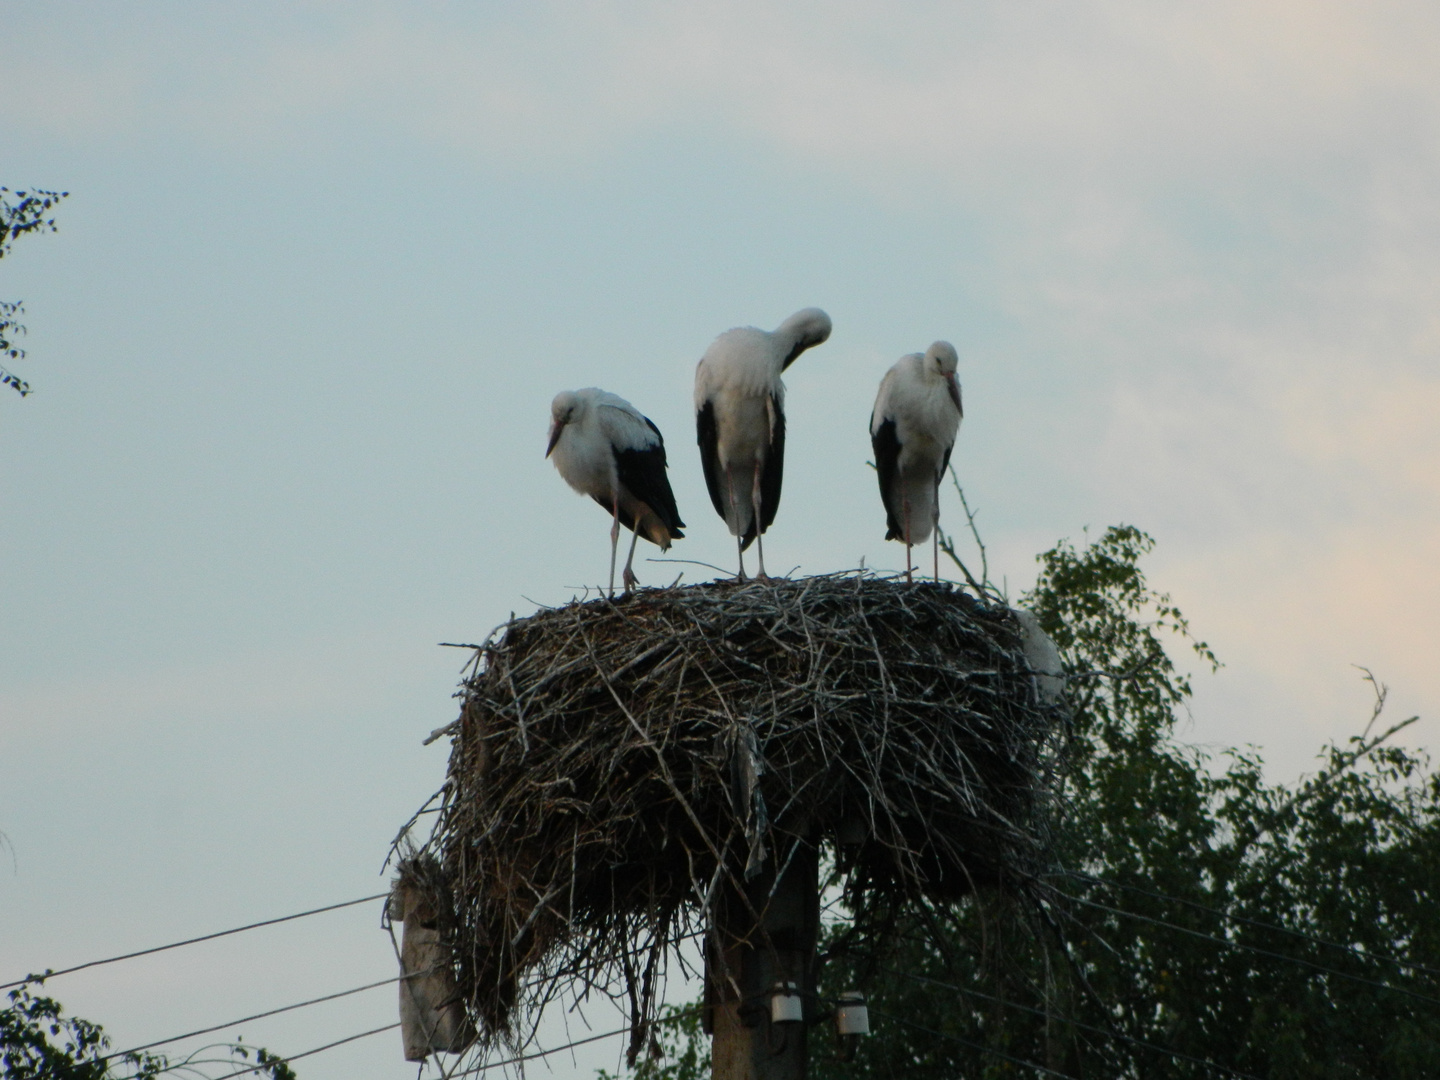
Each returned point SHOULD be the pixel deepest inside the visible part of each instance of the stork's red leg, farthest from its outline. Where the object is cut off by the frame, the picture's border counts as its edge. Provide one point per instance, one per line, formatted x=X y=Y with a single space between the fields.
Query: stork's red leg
x=614 y=540
x=734 y=521
x=935 y=530
x=905 y=522
x=629 y=576
x=755 y=508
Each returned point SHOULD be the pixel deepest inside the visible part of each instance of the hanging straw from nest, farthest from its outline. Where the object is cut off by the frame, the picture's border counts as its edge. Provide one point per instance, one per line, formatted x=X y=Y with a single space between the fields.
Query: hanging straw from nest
x=616 y=763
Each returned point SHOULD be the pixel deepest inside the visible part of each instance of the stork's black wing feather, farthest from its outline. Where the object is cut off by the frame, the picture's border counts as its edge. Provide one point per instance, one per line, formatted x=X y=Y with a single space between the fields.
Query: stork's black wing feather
x=708 y=436
x=643 y=474
x=774 y=469
x=887 y=466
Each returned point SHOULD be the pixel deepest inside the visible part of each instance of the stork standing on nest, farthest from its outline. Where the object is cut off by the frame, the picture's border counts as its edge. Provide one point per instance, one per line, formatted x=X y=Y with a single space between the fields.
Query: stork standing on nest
x=605 y=448
x=740 y=420
x=917 y=413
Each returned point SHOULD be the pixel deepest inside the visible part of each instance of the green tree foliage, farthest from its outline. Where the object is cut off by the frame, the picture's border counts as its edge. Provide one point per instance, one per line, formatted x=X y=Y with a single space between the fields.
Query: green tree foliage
x=21 y=212
x=1196 y=921
x=1196 y=916
x=39 y=1042
x=678 y=1049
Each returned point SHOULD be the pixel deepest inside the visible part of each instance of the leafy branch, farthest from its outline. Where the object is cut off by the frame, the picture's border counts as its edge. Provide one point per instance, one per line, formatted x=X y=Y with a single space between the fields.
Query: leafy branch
x=21 y=213
x=39 y=1042
x=1341 y=763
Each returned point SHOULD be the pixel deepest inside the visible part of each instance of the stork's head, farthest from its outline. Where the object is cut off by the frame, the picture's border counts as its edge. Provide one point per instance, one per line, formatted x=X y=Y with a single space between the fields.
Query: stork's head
x=563 y=410
x=941 y=359
x=804 y=330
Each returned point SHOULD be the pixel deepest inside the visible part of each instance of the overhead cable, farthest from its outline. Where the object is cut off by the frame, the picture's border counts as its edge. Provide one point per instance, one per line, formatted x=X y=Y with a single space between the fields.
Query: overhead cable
x=256 y=1016
x=296 y=1057
x=679 y=1014
x=1377 y=984
x=1359 y=954
x=1059 y=1017
x=48 y=974
x=974 y=1045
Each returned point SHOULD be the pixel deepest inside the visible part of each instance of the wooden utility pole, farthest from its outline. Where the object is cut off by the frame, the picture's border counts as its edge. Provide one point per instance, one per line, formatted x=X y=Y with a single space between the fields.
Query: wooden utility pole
x=760 y=973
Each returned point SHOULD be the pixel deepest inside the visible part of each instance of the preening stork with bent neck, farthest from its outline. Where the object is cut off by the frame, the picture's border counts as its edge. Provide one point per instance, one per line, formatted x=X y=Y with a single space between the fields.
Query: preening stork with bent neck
x=740 y=421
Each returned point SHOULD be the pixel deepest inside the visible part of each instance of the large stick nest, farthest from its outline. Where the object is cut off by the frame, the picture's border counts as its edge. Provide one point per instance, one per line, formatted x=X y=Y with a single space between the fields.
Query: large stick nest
x=615 y=763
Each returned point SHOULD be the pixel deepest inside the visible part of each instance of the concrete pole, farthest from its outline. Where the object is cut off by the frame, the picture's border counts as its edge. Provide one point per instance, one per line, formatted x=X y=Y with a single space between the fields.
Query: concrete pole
x=745 y=961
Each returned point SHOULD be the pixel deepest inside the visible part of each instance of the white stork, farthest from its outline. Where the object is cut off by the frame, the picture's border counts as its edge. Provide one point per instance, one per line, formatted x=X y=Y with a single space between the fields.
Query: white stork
x=740 y=420
x=604 y=448
x=917 y=413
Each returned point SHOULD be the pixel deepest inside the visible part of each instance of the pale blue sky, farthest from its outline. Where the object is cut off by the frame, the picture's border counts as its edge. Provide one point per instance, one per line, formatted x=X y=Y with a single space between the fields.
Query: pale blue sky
x=324 y=266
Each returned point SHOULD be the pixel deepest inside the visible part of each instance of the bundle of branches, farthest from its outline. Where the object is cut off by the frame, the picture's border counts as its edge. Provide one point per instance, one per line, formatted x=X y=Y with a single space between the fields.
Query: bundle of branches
x=616 y=762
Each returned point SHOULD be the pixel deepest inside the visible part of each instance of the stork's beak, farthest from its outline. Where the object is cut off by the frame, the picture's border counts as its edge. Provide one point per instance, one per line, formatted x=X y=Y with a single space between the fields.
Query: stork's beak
x=555 y=429
x=954 y=387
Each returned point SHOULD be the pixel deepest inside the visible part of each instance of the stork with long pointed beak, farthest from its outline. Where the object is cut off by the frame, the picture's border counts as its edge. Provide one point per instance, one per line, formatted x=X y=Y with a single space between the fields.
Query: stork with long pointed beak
x=605 y=448
x=740 y=421
x=912 y=430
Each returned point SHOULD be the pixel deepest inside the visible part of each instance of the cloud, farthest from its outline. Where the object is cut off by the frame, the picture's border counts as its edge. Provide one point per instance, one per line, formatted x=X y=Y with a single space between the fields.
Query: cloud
x=968 y=89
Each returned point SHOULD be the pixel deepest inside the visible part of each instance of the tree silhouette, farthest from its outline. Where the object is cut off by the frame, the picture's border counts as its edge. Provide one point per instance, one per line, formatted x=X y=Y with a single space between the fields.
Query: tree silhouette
x=1195 y=921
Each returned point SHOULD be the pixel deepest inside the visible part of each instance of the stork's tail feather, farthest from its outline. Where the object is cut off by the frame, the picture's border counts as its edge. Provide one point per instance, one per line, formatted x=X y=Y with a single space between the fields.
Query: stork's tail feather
x=893 y=528
x=661 y=535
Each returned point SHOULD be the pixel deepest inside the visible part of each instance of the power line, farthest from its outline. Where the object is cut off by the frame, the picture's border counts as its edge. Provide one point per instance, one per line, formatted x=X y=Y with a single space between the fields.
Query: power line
x=257 y=1016
x=682 y=1013
x=679 y=1014
x=555 y=1050
x=391 y=1027
x=1238 y=944
x=306 y=1004
x=191 y=941
x=1110 y=1034
x=268 y=1013
x=272 y=1012
x=1121 y=1036
x=1260 y=923
x=525 y=1057
x=974 y=1045
x=296 y=1057
x=1252 y=948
